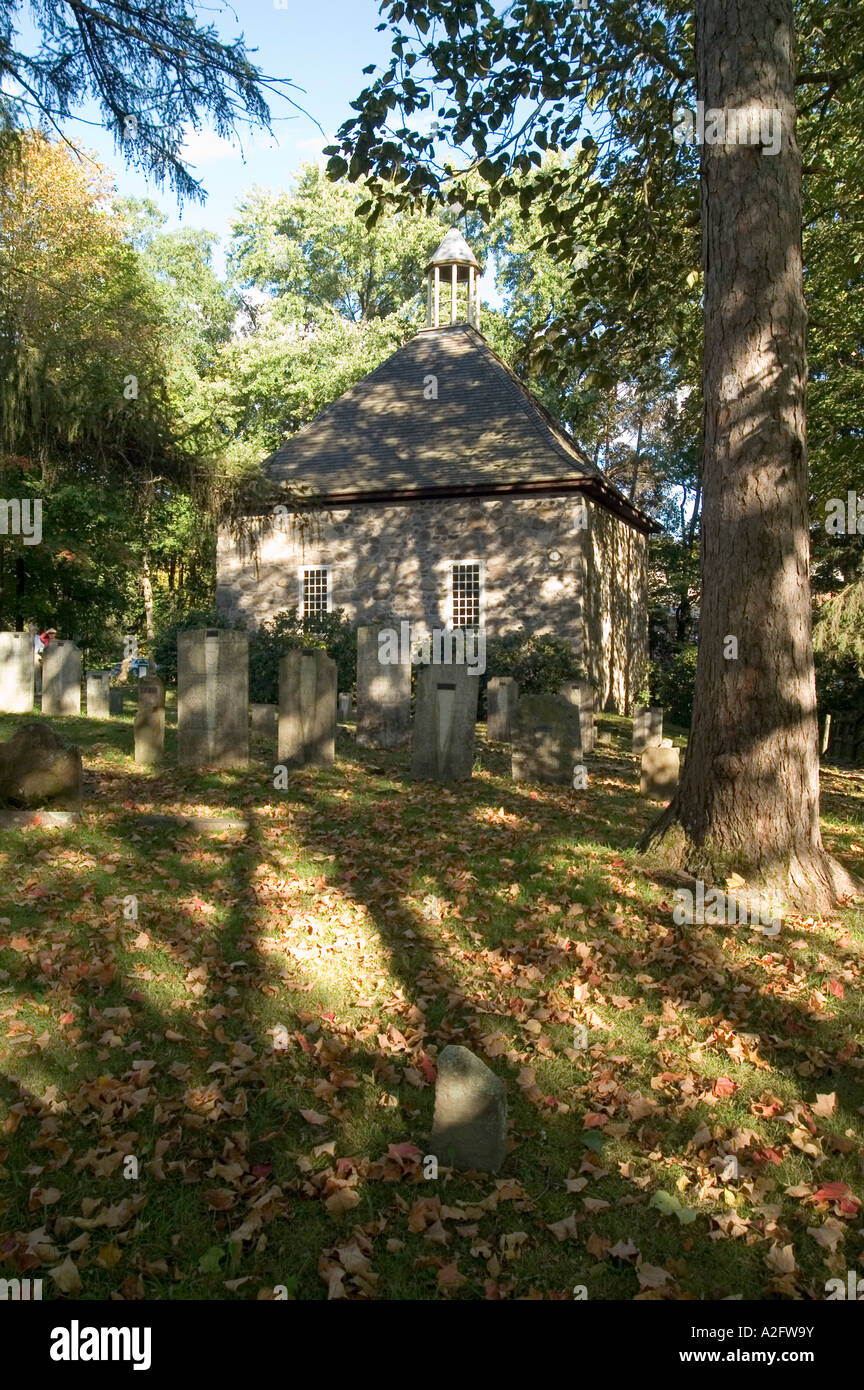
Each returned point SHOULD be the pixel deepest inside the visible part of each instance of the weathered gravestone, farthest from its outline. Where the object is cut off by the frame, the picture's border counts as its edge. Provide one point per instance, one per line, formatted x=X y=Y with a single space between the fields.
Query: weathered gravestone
x=344 y=705
x=502 y=697
x=581 y=694
x=36 y=767
x=547 y=745
x=213 y=698
x=115 y=700
x=661 y=768
x=150 y=721
x=469 y=1129
x=445 y=715
x=17 y=670
x=647 y=728
x=307 y=709
x=61 y=678
x=263 y=721
x=846 y=740
x=98 y=684
x=383 y=692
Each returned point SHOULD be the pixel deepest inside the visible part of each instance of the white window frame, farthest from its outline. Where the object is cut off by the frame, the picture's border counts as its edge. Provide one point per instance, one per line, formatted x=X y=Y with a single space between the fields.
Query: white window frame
x=481 y=565
x=302 y=571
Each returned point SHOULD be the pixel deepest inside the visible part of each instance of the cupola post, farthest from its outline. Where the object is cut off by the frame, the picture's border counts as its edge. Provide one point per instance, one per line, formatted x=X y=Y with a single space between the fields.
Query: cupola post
x=455 y=256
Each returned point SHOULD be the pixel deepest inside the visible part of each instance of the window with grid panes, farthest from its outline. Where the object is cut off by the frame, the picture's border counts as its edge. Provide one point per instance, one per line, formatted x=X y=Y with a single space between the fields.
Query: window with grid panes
x=466 y=595
x=316 y=591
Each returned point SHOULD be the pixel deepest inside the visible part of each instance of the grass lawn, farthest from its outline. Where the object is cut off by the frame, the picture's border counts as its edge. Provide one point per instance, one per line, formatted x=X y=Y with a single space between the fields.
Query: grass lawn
x=262 y=1040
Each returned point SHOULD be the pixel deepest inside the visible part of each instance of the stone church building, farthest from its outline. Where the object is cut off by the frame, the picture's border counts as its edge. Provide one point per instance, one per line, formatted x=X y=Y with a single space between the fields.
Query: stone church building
x=441 y=491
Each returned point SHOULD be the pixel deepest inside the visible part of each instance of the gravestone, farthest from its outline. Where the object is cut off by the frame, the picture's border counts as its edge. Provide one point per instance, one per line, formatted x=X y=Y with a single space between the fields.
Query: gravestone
x=647 y=728
x=263 y=721
x=383 y=692
x=307 y=709
x=115 y=700
x=661 y=768
x=17 y=672
x=469 y=1129
x=212 y=698
x=502 y=697
x=98 y=696
x=36 y=767
x=344 y=704
x=546 y=740
x=581 y=694
x=150 y=721
x=61 y=678
x=846 y=740
x=445 y=714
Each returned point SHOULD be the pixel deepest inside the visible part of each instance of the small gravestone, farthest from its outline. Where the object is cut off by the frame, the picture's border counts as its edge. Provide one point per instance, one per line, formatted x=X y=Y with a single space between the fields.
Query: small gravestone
x=17 y=672
x=647 y=728
x=383 y=689
x=98 y=685
x=37 y=767
x=61 y=678
x=502 y=697
x=469 y=1130
x=547 y=744
x=263 y=722
x=581 y=694
x=445 y=716
x=115 y=700
x=150 y=721
x=661 y=768
x=212 y=698
x=344 y=706
x=307 y=709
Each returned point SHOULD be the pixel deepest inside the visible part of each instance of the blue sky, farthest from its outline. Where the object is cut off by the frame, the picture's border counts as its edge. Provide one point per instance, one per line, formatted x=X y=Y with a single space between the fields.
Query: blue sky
x=321 y=45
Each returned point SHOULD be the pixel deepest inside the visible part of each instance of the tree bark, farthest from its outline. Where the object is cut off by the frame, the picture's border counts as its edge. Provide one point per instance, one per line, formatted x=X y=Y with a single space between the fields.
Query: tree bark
x=748 y=801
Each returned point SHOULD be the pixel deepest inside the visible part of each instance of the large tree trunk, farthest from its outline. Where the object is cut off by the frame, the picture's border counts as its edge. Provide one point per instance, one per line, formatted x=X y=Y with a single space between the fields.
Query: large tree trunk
x=748 y=802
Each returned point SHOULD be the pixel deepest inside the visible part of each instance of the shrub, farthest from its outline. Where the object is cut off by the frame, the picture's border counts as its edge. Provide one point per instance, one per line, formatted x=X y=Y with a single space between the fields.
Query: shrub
x=540 y=663
x=672 y=685
x=330 y=631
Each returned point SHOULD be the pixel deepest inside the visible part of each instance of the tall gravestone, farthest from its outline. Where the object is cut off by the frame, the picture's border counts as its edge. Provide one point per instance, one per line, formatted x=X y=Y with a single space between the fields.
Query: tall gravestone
x=150 y=721
x=212 y=698
x=647 y=728
x=17 y=670
x=547 y=745
x=445 y=715
x=98 y=685
x=307 y=709
x=61 y=678
x=581 y=694
x=115 y=700
x=383 y=692
x=502 y=697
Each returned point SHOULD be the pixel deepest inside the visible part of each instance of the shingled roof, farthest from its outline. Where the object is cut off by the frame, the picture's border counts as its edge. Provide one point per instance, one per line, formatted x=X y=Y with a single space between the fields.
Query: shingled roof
x=485 y=434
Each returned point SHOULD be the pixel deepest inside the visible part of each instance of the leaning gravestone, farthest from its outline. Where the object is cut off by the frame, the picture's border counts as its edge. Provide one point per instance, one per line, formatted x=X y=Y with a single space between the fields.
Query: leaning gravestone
x=98 y=694
x=469 y=1129
x=263 y=721
x=36 y=767
x=61 y=678
x=661 y=768
x=581 y=694
x=383 y=692
x=547 y=744
x=647 y=728
x=213 y=698
x=445 y=715
x=17 y=670
x=502 y=697
x=307 y=709
x=150 y=721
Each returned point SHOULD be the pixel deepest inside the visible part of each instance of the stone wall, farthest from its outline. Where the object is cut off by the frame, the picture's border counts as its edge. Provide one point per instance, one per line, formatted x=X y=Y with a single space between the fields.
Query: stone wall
x=538 y=567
